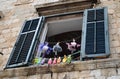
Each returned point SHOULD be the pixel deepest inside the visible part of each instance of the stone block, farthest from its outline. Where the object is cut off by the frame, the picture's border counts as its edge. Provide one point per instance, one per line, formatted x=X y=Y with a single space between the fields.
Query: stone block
x=4 y=45
x=117 y=49
x=111 y=11
x=21 y=77
x=54 y=76
x=2 y=40
x=89 y=78
x=34 y=77
x=73 y=74
x=6 y=31
x=17 y=24
x=1 y=49
x=115 y=43
x=100 y=77
x=113 y=26
x=114 y=77
x=95 y=73
x=115 y=55
x=6 y=51
x=118 y=15
x=16 y=21
x=15 y=35
x=7 y=35
x=112 y=21
x=109 y=72
x=62 y=75
x=85 y=65
x=118 y=71
x=22 y=2
x=15 y=29
x=83 y=74
x=80 y=78
x=113 y=31
x=113 y=50
x=46 y=76
x=118 y=31
x=106 y=64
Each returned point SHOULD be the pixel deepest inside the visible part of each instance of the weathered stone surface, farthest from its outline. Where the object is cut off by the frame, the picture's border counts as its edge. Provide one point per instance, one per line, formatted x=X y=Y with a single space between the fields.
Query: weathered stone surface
x=85 y=65
x=21 y=77
x=118 y=70
x=73 y=75
x=16 y=11
x=46 y=76
x=117 y=49
x=54 y=75
x=34 y=77
x=100 y=77
x=115 y=43
x=85 y=73
x=114 y=77
x=90 y=78
x=109 y=72
x=105 y=64
x=80 y=78
x=95 y=73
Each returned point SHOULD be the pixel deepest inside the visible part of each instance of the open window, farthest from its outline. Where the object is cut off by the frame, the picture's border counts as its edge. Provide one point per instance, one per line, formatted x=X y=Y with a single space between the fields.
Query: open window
x=89 y=30
x=63 y=31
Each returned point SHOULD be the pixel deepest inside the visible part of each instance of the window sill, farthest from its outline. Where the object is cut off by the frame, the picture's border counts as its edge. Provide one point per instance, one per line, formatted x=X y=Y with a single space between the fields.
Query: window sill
x=74 y=66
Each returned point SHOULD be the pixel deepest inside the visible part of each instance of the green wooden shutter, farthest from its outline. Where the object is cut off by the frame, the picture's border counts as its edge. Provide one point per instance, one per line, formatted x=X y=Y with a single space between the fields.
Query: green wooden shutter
x=25 y=45
x=95 y=42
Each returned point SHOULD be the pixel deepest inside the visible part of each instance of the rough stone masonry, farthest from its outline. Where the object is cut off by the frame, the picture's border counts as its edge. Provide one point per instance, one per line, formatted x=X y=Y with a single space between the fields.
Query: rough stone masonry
x=16 y=11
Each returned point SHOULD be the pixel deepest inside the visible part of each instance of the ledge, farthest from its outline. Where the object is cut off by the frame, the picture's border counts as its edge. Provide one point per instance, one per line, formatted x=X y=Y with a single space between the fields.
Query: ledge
x=63 y=6
x=74 y=66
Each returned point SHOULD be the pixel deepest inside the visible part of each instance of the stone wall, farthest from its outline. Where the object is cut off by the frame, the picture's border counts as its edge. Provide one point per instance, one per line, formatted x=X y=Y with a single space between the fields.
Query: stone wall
x=114 y=25
x=16 y=11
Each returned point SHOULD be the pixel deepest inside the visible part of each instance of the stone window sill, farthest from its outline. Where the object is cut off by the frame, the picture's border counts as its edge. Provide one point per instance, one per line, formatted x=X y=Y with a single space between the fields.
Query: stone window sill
x=74 y=66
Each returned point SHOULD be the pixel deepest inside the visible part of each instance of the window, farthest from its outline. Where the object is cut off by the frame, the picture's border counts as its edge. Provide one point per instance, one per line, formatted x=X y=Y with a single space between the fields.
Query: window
x=91 y=31
x=63 y=31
